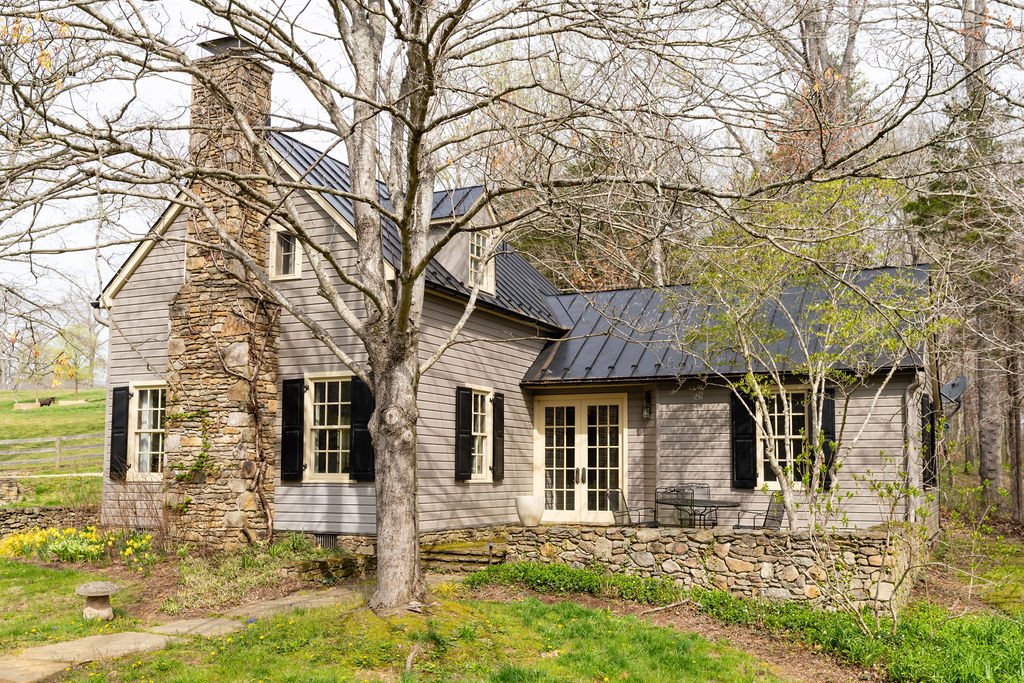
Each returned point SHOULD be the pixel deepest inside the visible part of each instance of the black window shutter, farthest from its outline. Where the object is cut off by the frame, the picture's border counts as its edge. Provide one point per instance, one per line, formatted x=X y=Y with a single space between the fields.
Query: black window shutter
x=361 y=465
x=463 y=433
x=293 y=427
x=929 y=458
x=498 y=437
x=744 y=444
x=119 y=433
x=828 y=433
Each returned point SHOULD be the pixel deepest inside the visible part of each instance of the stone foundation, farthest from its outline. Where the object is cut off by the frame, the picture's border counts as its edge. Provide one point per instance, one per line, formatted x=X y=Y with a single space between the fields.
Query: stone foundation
x=14 y=520
x=775 y=565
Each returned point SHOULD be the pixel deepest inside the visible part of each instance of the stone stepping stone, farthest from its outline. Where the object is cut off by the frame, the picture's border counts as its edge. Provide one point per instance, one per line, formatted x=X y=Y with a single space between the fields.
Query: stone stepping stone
x=268 y=608
x=27 y=670
x=94 y=648
x=209 y=628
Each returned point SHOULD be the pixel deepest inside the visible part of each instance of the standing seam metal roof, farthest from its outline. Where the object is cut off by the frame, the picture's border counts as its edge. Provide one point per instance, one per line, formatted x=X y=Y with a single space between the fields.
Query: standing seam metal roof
x=632 y=334
x=519 y=288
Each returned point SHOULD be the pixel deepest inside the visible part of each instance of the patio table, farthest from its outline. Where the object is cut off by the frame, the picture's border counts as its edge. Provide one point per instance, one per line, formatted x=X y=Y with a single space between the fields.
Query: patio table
x=681 y=500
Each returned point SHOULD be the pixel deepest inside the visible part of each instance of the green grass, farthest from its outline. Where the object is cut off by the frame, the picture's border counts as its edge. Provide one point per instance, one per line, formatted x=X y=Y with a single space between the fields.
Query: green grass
x=998 y=563
x=467 y=640
x=63 y=491
x=39 y=606
x=86 y=418
x=929 y=644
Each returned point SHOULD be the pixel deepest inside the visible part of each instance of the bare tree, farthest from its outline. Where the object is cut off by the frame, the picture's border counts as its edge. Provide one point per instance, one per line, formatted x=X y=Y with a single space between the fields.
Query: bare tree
x=512 y=95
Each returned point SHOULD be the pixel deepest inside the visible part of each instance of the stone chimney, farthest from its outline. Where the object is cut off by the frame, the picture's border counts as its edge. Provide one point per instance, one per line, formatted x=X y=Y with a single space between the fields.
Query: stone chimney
x=223 y=347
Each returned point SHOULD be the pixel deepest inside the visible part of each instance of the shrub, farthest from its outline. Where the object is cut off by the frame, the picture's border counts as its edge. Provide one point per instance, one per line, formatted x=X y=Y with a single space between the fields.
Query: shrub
x=559 y=578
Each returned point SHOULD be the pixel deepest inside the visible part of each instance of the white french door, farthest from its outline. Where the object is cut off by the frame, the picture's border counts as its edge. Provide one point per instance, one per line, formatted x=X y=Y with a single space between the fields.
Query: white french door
x=580 y=456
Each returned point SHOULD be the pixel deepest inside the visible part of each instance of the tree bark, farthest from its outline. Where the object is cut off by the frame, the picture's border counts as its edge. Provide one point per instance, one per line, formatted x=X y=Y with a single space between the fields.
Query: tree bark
x=990 y=460
x=1014 y=436
x=399 y=580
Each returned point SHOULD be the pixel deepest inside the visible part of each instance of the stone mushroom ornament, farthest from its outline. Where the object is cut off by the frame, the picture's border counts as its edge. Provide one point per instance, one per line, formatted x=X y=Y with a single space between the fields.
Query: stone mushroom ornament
x=97 y=599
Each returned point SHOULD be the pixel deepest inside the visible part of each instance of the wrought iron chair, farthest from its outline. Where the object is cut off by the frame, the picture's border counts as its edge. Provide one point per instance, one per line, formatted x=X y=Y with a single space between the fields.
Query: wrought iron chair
x=625 y=515
x=703 y=516
x=770 y=518
x=680 y=498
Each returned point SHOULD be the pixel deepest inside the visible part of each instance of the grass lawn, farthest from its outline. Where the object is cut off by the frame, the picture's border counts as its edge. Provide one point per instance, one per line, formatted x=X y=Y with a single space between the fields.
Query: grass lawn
x=63 y=491
x=39 y=605
x=460 y=640
x=86 y=418
x=996 y=562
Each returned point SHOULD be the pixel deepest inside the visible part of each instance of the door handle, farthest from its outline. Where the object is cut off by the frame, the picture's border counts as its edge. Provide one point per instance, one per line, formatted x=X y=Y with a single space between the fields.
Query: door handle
x=583 y=472
x=577 y=479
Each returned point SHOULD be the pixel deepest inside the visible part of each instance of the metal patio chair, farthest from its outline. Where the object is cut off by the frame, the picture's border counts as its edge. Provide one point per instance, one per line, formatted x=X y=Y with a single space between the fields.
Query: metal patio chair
x=625 y=515
x=770 y=518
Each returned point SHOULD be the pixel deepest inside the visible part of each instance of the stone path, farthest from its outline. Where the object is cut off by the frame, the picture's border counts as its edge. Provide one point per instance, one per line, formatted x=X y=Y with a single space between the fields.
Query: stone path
x=49 y=662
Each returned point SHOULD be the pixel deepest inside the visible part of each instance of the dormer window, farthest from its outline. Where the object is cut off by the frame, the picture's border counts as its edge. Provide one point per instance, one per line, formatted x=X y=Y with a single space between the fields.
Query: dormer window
x=285 y=256
x=481 y=269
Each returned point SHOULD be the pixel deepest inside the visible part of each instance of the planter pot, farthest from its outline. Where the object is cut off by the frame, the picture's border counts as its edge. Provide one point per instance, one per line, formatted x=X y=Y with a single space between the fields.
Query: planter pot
x=530 y=509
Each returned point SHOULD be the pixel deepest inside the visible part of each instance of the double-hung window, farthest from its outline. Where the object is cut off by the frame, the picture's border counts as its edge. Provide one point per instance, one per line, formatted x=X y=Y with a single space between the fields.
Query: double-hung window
x=786 y=423
x=481 y=269
x=329 y=427
x=147 y=411
x=285 y=255
x=481 y=427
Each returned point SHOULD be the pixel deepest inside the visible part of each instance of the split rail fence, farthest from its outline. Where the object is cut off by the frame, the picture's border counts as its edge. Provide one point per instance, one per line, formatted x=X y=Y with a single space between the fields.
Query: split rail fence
x=59 y=450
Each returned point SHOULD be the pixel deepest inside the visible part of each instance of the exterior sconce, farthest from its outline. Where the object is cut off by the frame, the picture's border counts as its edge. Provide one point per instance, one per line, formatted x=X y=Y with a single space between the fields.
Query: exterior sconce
x=645 y=412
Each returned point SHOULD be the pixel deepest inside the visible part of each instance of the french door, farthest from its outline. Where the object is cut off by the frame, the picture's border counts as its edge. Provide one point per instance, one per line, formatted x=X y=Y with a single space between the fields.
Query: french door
x=581 y=457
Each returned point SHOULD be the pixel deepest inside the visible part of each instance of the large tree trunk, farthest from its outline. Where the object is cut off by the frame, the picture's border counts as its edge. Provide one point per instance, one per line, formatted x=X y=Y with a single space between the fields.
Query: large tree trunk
x=1014 y=436
x=990 y=457
x=399 y=582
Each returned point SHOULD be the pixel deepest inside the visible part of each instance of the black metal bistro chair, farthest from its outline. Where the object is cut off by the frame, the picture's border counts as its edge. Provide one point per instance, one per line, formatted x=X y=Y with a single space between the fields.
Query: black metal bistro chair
x=701 y=515
x=625 y=515
x=770 y=518
x=678 y=497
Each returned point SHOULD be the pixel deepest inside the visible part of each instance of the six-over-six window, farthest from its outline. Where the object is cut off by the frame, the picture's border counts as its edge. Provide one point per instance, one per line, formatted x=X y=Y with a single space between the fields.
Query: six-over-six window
x=149 y=405
x=330 y=422
x=787 y=429
x=481 y=435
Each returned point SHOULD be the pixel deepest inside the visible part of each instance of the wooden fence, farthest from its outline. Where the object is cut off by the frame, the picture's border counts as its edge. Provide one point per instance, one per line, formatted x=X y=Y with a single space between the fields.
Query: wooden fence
x=58 y=449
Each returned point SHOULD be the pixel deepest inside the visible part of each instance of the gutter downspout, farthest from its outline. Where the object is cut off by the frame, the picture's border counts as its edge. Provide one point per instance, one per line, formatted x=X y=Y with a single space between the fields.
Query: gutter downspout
x=96 y=314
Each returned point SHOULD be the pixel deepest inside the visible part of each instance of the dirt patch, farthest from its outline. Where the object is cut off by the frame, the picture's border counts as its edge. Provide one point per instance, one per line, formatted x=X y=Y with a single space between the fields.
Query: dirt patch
x=785 y=657
x=164 y=580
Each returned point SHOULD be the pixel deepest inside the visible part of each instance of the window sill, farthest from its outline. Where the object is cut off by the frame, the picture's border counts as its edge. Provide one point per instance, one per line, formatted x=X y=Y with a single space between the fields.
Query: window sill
x=285 y=278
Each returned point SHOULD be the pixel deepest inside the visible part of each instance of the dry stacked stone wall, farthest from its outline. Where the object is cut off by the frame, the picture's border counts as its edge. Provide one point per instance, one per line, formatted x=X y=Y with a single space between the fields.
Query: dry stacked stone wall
x=223 y=343
x=775 y=565
x=14 y=520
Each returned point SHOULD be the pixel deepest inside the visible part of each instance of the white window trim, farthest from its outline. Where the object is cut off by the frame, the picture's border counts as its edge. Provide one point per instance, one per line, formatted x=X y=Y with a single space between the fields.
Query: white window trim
x=488 y=283
x=487 y=475
x=133 y=473
x=275 y=230
x=307 y=427
x=762 y=483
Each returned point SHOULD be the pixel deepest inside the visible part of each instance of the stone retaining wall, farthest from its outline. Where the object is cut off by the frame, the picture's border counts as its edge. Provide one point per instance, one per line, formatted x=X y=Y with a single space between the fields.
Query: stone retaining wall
x=13 y=520
x=367 y=545
x=776 y=565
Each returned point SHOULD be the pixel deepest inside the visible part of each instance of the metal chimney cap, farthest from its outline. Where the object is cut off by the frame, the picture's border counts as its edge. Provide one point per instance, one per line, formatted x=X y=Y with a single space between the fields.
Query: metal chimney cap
x=225 y=44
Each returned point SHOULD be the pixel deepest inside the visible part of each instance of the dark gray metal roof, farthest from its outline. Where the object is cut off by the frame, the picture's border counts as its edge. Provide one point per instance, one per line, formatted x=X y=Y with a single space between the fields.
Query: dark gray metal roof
x=633 y=334
x=519 y=288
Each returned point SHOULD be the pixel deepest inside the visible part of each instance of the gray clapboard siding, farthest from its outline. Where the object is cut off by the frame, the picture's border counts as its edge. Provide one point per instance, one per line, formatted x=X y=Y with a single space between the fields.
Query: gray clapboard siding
x=694 y=445
x=138 y=351
x=443 y=502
